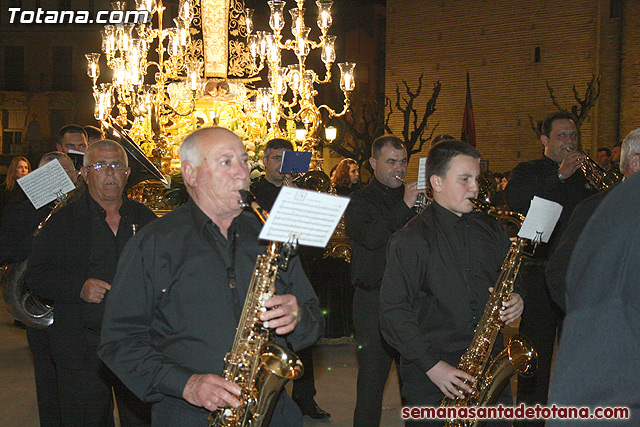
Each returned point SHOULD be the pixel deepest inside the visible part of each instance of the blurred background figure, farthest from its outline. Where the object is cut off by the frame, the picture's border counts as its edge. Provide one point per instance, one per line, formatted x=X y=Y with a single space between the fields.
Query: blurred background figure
x=347 y=177
x=18 y=168
x=615 y=156
x=505 y=180
x=603 y=158
x=93 y=134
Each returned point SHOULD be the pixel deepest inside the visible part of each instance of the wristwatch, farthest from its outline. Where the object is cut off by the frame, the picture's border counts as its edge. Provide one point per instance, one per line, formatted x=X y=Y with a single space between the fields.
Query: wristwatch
x=560 y=177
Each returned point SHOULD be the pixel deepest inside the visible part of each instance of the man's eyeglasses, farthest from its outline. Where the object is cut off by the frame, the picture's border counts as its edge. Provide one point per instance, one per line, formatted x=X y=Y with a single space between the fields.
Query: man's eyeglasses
x=102 y=166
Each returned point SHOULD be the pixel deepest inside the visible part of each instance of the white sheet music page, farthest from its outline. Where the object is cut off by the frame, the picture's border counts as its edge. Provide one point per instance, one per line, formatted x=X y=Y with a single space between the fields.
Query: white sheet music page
x=46 y=184
x=541 y=219
x=308 y=215
x=422 y=173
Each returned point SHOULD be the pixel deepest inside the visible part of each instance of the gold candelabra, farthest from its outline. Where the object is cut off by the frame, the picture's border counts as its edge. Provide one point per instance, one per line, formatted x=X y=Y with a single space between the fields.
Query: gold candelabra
x=148 y=110
x=267 y=47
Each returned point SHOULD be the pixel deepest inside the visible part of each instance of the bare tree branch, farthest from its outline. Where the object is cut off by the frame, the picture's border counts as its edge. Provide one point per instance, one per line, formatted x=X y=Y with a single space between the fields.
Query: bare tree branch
x=580 y=110
x=535 y=125
x=553 y=97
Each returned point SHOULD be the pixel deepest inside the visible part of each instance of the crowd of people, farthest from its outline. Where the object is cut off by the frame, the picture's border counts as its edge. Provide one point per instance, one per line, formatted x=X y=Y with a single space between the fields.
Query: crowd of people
x=147 y=308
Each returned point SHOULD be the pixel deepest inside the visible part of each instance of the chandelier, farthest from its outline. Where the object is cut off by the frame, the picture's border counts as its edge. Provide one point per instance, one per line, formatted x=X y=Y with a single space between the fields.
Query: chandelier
x=147 y=110
x=274 y=101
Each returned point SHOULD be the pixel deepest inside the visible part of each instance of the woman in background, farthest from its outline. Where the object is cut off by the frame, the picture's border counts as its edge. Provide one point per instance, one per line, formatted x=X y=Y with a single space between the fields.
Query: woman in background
x=347 y=177
x=18 y=168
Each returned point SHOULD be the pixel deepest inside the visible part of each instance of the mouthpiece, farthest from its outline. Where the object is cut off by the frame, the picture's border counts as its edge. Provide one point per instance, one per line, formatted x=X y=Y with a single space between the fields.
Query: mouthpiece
x=401 y=180
x=246 y=198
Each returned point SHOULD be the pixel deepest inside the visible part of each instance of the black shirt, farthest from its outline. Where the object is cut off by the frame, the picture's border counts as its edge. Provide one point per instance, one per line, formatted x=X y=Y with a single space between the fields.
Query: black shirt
x=435 y=286
x=540 y=178
x=59 y=265
x=171 y=312
x=265 y=192
x=373 y=215
x=105 y=250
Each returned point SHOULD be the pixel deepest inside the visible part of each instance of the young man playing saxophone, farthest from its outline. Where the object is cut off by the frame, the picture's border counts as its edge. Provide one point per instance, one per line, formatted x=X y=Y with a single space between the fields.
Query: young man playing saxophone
x=435 y=285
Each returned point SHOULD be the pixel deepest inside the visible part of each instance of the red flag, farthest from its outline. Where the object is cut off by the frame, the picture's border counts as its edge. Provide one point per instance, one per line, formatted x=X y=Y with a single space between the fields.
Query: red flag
x=468 y=123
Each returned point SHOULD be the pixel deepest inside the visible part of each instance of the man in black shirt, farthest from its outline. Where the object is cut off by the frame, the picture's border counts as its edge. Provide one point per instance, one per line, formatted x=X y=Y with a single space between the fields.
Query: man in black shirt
x=556 y=268
x=556 y=177
x=373 y=215
x=266 y=189
x=178 y=294
x=440 y=268
x=72 y=263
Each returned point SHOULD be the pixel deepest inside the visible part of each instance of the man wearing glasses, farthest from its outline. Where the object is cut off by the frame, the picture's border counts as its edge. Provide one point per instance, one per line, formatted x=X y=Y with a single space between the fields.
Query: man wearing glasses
x=73 y=262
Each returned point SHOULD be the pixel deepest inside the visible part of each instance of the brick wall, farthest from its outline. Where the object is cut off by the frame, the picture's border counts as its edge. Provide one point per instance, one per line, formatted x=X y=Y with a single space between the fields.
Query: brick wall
x=495 y=41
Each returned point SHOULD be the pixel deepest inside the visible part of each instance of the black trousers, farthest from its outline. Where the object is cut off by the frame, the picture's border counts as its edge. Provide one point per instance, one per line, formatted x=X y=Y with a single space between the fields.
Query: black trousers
x=540 y=322
x=304 y=388
x=46 y=378
x=374 y=359
x=86 y=392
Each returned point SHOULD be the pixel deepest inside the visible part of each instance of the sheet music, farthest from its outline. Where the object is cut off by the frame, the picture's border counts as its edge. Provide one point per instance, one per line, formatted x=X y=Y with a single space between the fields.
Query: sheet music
x=46 y=184
x=541 y=219
x=309 y=215
x=422 y=173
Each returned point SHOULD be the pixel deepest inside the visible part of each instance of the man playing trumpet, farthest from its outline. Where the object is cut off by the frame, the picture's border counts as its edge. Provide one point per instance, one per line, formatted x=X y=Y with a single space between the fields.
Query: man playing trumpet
x=376 y=211
x=556 y=176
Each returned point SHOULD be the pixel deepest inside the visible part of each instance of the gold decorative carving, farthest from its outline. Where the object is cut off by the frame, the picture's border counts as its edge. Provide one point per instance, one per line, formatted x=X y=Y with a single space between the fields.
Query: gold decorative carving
x=195 y=50
x=237 y=27
x=215 y=33
x=240 y=61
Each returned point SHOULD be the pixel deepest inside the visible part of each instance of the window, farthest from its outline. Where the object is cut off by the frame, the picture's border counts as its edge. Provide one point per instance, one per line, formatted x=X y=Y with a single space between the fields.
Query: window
x=14 y=68
x=11 y=132
x=64 y=5
x=62 y=76
x=615 y=8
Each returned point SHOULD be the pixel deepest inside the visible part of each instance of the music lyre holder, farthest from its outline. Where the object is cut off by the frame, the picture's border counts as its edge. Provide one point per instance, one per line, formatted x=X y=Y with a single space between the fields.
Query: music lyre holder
x=295 y=162
x=534 y=243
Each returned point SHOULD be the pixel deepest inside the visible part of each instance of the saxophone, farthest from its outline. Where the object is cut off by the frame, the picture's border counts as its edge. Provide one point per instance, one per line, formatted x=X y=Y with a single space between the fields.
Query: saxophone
x=260 y=367
x=519 y=356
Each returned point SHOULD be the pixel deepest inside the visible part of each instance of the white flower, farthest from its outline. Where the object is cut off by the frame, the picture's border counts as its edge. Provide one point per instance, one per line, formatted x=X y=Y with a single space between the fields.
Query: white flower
x=255 y=174
x=250 y=146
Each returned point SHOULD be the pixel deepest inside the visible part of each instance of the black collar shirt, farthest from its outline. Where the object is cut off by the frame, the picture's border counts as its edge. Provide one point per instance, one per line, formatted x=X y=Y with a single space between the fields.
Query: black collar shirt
x=435 y=286
x=105 y=249
x=374 y=213
x=265 y=192
x=173 y=308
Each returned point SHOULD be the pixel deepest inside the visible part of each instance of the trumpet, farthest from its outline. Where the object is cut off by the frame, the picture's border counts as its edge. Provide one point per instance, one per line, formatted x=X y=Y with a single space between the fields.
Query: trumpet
x=600 y=178
x=421 y=202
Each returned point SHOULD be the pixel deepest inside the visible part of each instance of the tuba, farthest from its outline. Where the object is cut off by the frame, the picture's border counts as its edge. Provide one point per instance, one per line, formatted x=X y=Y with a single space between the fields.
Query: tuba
x=21 y=302
x=260 y=367
x=519 y=356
